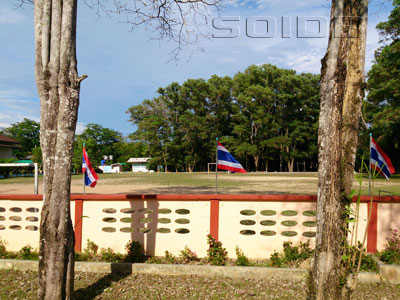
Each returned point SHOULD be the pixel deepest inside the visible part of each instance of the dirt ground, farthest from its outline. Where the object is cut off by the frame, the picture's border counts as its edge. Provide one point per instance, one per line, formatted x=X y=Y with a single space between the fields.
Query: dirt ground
x=199 y=183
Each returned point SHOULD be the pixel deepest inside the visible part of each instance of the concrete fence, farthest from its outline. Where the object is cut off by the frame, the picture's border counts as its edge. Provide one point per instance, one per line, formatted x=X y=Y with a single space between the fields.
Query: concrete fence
x=257 y=224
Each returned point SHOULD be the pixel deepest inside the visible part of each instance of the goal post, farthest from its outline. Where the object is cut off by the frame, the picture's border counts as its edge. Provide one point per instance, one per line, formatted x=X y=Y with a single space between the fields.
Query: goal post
x=35 y=165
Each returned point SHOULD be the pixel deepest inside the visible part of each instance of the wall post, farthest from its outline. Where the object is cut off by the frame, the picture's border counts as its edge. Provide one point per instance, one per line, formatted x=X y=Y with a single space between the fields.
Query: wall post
x=78 y=224
x=372 y=237
x=214 y=218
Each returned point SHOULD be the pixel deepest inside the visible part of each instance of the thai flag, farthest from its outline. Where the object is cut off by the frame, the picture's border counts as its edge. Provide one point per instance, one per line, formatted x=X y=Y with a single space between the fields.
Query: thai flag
x=379 y=160
x=227 y=162
x=90 y=175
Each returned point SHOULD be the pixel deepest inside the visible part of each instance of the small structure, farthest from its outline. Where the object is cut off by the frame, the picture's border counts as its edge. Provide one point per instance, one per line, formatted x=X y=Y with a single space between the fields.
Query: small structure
x=114 y=168
x=7 y=145
x=139 y=164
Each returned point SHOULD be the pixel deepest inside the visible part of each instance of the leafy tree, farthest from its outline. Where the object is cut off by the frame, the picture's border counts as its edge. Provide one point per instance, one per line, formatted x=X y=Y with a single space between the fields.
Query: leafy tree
x=27 y=133
x=383 y=100
x=58 y=85
x=342 y=92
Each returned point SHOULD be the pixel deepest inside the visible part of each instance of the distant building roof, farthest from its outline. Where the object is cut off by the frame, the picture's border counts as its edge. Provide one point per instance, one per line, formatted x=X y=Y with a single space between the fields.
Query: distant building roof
x=138 y=159
x=6 y=141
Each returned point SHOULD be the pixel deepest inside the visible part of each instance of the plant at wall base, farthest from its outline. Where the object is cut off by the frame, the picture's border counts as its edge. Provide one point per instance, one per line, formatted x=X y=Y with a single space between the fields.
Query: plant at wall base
x=108 y=255
x=3 y=249
x=241 y=259
x=169 y=257
x=391 y=253
x=135 y=252
x=188 y=255
x=27 y=253
x=355 y=257
x=216 y=254
x=292 y=255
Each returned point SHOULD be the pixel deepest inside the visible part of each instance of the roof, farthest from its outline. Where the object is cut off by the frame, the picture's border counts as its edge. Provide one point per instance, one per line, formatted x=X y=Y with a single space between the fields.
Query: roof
x=7 y=140
x=138 y=159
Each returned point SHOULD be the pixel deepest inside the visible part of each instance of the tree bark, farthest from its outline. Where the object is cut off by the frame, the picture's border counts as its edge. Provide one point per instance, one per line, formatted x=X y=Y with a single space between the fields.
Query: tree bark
x=58 y=87
x=342 y=77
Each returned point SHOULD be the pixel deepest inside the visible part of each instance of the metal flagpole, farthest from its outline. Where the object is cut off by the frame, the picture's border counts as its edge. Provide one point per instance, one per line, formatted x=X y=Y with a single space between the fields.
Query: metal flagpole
x=369 y=166
x=216 y=167
x=83 y=172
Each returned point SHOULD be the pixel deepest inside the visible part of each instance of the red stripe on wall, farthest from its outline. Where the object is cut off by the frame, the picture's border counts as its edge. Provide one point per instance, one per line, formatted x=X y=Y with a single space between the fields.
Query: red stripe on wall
x=214 y=218
x=372 y=237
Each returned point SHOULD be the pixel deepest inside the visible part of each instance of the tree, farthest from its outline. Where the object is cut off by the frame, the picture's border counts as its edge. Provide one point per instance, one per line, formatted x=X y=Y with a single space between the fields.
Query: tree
x=383 y=100
x=27 y=133
x=58 y=85
x=342 y=92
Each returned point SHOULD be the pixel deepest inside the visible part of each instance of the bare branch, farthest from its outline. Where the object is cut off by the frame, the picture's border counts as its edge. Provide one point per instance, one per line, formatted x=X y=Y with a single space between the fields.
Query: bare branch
x=179 y=21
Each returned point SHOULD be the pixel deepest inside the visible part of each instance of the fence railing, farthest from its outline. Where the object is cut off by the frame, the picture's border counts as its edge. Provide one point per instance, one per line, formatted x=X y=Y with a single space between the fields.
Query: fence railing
x=257 y=224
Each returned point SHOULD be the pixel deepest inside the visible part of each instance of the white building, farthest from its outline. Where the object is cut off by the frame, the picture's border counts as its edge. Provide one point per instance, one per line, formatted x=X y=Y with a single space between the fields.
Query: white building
x=139 y=164
x=114 y=168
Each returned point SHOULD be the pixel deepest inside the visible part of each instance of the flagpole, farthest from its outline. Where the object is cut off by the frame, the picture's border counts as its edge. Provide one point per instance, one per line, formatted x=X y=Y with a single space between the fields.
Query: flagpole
x=216 y=166
x=369 y=166
x=83 y=173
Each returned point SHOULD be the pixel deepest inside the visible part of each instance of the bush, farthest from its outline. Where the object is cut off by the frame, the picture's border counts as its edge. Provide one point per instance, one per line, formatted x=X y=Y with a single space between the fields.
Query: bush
x=292 y=255
x=188 y=255
x=109 y=255
x=216 y=254
x=135 y=252
x=391 y=254
x=27 y=253
x=241 y=259
x=3 y=250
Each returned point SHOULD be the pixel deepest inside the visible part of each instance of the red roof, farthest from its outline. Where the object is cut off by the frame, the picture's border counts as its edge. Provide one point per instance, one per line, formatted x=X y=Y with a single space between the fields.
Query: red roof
x=7 y=139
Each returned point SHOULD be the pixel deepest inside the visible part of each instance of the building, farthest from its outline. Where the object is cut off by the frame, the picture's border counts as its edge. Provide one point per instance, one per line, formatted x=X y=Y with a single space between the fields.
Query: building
x=7 y=145
x=139 y=164
x=113 y=168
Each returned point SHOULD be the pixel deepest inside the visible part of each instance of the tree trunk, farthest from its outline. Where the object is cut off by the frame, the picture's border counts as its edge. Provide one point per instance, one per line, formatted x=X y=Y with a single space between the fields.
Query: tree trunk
x=342 y=76
x=58 y=87
x=290 y=164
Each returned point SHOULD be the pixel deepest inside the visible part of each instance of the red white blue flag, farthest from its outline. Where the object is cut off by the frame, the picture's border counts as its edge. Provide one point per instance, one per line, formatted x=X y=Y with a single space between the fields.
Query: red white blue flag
x=90 y=175
x=227 y=162
x=379 y=160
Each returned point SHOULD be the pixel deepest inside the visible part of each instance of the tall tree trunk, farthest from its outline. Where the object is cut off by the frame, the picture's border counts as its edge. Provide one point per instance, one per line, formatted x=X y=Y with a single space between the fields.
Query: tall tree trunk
x=342 y=78
x=58 y=86
x=290 y=165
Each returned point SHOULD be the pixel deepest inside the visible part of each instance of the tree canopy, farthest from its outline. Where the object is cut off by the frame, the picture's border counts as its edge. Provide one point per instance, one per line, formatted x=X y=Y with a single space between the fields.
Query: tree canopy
x=266 y=116
x=27 y=133
x=383 y=101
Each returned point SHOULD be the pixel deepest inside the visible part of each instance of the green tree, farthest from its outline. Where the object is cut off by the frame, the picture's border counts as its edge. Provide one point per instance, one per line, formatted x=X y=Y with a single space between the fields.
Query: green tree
x=383 y=100
x=27 y=133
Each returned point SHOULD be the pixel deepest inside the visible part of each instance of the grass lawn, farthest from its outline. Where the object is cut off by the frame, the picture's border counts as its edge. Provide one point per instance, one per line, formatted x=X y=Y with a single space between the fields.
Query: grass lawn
x=23 y=285
x=198 y=183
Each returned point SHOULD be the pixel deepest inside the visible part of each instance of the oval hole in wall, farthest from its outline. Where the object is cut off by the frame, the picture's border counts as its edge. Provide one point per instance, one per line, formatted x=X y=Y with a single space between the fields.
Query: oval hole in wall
x=310 y=224
x=247 y=212
x=182 y=230
x=127 y=210
x=163 y=230
x=144 y=230
x=164 y=211
x=289 y=213
x=126 y=229
x=268 y=212
x=15 y=218
x=289 y=233
x=182 y=221
x=15 y=227
x=31 y=227
x=145 y=210
x=289 y=223
x=126 y=220
x=164 y=220
x=247 y=232
x=309 y=234
x=267 y=223
x=309 y=213
x=247 y=222
x=32 y=209
x=108 y=229
x=109 y=210
x=32 y=219
x=268 y=232
x=109 y=220
x=182 y=211
x=16 y=209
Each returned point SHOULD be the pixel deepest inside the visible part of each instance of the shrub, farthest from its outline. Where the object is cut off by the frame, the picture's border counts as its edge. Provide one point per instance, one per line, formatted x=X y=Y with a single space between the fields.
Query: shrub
x=292 y=255
x=27 y=253
x=216 y=254
x=241 y=259
x=188 y=255
x=109 y=255
x=391 y=254
x=3 y=250
x=135 y=252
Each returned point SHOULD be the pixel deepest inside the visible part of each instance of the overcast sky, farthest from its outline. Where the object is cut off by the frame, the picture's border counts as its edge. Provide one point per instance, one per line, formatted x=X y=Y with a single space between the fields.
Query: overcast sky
x=125 y=67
